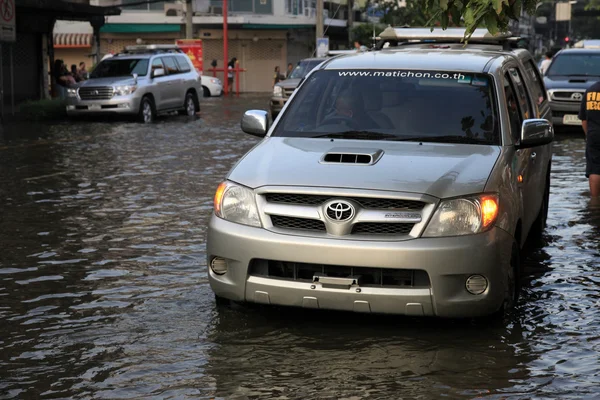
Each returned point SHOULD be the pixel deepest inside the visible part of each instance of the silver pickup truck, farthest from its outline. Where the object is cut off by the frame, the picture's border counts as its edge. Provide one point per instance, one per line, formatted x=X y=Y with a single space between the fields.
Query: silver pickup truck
x=403 y=180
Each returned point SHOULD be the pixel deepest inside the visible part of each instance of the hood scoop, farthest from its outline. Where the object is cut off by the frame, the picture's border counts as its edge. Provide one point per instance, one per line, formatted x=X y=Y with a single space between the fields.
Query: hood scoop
x=352 y=156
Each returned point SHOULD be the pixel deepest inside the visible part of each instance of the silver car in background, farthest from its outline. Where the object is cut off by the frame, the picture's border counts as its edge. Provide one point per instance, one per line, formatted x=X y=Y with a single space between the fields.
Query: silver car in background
x=143 y=81
x=404 y=180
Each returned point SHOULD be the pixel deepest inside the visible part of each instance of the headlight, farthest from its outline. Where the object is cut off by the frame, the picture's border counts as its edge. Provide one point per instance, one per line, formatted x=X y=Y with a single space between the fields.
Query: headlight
x=215 y=81
x=550 y=94
x=464 y=216
x=125 y=90
x=71 y=92
x=236 y=203
x=277 y=91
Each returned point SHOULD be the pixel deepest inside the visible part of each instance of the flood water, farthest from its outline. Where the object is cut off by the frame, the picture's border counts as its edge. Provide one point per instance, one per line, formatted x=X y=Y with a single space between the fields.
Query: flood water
x=104 y=292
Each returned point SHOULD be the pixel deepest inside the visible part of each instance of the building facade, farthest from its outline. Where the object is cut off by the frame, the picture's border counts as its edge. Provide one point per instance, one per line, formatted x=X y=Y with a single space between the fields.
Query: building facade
x=262 y=34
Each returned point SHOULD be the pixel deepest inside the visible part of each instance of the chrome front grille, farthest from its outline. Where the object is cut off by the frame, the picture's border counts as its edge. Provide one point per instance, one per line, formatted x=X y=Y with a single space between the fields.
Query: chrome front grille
x=288 y=91
x=571 y=96
x=366 y=202
x=351 y=217
x=96 y=93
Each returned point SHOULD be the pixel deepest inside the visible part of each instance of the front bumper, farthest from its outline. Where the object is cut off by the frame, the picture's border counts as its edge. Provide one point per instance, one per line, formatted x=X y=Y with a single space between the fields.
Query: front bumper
x=118 y=105
x=560 y=109
x=447 y=261
x=214 y=89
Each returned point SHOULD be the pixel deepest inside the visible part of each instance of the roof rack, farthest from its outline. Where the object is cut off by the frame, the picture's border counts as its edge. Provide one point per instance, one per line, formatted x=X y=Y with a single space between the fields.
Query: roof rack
x=406 y=35
x=152 y=48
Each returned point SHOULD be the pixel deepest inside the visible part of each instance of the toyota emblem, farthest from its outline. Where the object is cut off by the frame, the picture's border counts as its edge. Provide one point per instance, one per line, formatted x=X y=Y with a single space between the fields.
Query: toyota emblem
x=95 y=93
x=340 y=211
x=577 y=96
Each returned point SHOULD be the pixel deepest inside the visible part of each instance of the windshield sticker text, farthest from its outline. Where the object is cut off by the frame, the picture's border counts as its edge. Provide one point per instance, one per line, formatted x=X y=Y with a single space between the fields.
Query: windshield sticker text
x=409 y=74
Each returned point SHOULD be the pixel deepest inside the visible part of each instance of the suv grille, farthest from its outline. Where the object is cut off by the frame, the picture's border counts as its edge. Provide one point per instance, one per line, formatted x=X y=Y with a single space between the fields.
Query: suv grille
x=367 y=276
x=366 y=202
x=96 y=93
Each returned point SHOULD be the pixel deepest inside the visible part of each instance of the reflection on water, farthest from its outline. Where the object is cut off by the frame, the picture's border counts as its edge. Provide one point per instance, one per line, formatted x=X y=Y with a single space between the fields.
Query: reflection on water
x=103 y=289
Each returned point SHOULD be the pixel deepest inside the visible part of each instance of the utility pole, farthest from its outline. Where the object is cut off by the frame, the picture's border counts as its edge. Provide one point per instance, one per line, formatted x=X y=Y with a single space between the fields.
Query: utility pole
x=319 y=18
x=189 y=19
x=350 y=21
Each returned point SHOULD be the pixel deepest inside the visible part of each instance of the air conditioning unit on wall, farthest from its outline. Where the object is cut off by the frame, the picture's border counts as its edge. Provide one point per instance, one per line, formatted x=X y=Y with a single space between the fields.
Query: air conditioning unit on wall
x=310 y=12
x=173 y=9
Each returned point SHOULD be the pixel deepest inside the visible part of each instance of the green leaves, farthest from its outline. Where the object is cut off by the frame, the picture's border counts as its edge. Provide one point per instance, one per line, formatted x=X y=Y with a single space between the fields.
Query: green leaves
x=494 y=15
x=491 y=23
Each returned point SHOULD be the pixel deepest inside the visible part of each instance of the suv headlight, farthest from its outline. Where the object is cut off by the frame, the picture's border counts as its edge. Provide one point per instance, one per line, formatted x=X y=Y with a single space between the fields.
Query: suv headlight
x=464 y=216
x=71 y=92
x=125 y=90
x=549 y=93
x=215 y=81
x=236 y=203
x=278 y=91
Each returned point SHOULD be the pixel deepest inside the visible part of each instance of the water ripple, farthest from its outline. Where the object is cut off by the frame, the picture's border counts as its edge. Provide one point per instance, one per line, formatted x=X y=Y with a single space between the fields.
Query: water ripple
x=104 y=291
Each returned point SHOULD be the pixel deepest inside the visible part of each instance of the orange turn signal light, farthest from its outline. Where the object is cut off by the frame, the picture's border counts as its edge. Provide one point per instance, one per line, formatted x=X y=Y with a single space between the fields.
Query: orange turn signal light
x=219 y=197
x=489 y=211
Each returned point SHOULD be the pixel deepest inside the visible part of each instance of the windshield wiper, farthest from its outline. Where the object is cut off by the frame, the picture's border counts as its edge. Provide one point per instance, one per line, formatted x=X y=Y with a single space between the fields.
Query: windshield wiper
x=364 y=135
x=445 y=139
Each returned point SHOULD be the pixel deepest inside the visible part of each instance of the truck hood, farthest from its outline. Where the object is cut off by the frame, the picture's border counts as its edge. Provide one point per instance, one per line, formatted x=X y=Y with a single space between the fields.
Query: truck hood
x=289 y=83
x=440 y=170
x=569 y=82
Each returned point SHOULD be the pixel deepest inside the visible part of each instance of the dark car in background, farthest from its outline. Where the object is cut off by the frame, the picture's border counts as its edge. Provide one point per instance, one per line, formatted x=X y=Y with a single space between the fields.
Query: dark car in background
x=284 y=89
x=571 y=72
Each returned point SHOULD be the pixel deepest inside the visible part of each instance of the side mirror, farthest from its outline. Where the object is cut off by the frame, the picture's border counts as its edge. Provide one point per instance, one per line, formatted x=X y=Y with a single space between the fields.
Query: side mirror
x=536 y=132
x=255 y=122
x=158 y=72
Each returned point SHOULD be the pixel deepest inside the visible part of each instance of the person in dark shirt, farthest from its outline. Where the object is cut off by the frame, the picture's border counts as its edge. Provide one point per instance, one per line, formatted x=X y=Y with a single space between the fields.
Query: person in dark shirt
x=589 y=114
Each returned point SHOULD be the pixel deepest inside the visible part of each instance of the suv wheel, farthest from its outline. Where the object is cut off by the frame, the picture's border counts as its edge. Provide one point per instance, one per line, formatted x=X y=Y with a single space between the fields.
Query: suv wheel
x=190 y=104
x=206 y=91
x=147 y=110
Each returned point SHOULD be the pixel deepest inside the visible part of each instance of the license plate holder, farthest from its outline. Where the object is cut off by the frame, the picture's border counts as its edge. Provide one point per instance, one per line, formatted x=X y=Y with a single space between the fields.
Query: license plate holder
x=94 y=107
x=571 y=119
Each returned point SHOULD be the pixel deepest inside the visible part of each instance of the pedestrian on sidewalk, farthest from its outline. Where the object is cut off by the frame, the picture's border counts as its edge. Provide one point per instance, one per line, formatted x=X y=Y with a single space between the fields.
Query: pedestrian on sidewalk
x=230 y=68
x=589 y=114
x=277 y=76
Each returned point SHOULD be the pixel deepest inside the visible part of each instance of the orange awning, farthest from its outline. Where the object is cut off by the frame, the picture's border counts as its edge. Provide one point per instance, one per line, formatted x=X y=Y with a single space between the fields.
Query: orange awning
x=72 y=40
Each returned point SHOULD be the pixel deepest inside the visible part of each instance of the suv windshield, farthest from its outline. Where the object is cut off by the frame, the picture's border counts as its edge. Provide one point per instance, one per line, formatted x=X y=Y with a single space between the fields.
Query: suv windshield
x=303 y=68
x=575 y=64
x=112 y=68
x=394 y=105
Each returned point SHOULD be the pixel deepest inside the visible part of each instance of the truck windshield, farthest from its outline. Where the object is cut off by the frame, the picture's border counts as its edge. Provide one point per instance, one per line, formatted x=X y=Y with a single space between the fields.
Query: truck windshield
x=436 y=106
x=575 y=65
x=303 y=68
x=113 y=68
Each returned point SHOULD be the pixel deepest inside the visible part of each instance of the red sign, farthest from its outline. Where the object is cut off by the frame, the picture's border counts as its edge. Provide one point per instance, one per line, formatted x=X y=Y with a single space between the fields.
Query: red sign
x=193 y=49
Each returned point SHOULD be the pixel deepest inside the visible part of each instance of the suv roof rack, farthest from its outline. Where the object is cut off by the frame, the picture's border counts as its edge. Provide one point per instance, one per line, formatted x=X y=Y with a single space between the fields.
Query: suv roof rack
x=406 y=35
x=151 y=48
